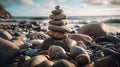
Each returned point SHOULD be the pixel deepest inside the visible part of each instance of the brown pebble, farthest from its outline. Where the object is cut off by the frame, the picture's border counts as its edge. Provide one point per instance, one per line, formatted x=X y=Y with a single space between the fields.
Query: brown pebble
x=57 y=35
x=83 y=59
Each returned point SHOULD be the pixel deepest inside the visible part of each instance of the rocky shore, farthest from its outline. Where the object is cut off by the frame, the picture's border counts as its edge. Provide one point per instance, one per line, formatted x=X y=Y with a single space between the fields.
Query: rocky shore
x=28 y=45
x=3 y=13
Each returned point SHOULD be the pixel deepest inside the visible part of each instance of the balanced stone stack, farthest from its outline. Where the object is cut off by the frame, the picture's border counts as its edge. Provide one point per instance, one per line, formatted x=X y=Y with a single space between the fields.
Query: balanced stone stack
x=58 y=28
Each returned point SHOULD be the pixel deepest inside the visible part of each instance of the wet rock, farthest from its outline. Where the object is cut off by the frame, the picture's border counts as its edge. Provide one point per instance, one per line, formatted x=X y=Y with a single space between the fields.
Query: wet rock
x=57 y=17
x=58 y=23
x=63 y=63
x=5 y=35
x=34 y=61
x=47 y=43
x=31 y=52
x=56 y=52
x=81 y=37
x=118 y=47
x=57 y=12
x=83 y=59
x=97 y=29
x=26 y=46
x=18 y=42
x=38 y=35
x=90 y=65
x=105 y=62
x=16 y=33
x=11 y=32
x=63 y=45
x=107 y=51
x=110 y=38
x=57 y=35
x=35 y=23
x=61 y=29
x=7 y=50
x=100 y=53
x=46 y=64
x=14 y=64
x=76 y=50
x=36 y=42
x=43 y=52
x=57 y=7
x=116 y=57
x=69 y=43
x=21 y=38
x=81 y=44
x=26 y=58
x=113 y=39
x=101 y=39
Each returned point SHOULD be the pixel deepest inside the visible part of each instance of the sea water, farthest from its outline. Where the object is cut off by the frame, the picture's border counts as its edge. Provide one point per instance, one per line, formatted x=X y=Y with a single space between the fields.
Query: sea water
x=72 y=20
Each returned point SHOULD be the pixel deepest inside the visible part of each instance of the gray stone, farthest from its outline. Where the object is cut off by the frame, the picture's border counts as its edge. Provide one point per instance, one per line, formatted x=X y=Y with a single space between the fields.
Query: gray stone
x=57 y=12
x=98 y=29
x=57 y=17
x=58 y=23
x=61 y=29
x=7 y=50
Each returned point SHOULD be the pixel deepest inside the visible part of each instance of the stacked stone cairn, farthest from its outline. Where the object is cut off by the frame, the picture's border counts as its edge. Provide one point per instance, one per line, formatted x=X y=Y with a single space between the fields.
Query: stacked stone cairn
x=58 y=28
x=60 y=44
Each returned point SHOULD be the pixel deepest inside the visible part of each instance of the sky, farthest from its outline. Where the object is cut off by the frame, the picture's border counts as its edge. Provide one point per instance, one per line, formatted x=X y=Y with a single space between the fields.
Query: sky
x=69 y=7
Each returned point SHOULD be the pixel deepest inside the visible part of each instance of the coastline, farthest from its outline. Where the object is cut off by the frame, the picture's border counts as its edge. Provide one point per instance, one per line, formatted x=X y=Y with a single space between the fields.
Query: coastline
x=31 y=36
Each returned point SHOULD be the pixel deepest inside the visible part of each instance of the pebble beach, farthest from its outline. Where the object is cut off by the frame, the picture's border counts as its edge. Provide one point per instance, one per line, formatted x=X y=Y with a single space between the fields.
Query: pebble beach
x=58 y=42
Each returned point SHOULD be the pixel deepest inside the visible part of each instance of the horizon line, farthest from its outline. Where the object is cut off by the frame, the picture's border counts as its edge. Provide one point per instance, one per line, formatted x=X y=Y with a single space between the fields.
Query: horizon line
x=67 y=16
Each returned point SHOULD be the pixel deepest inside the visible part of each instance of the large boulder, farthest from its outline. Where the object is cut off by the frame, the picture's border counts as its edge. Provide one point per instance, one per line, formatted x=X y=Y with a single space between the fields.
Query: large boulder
x=7 y=50
x=3 y=13
x=98 y=29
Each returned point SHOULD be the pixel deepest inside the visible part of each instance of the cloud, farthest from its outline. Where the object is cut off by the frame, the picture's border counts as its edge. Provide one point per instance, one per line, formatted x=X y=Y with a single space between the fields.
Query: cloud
x=103 y=2
x=28 y=2
x=59 y=0
x=6 y=3
x=98 y=2
x=51 y=3
x=47 y=4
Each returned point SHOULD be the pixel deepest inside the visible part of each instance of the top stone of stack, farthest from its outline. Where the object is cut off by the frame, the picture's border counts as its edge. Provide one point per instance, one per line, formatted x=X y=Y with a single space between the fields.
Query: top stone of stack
x=58 y=11
x=57 y=14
